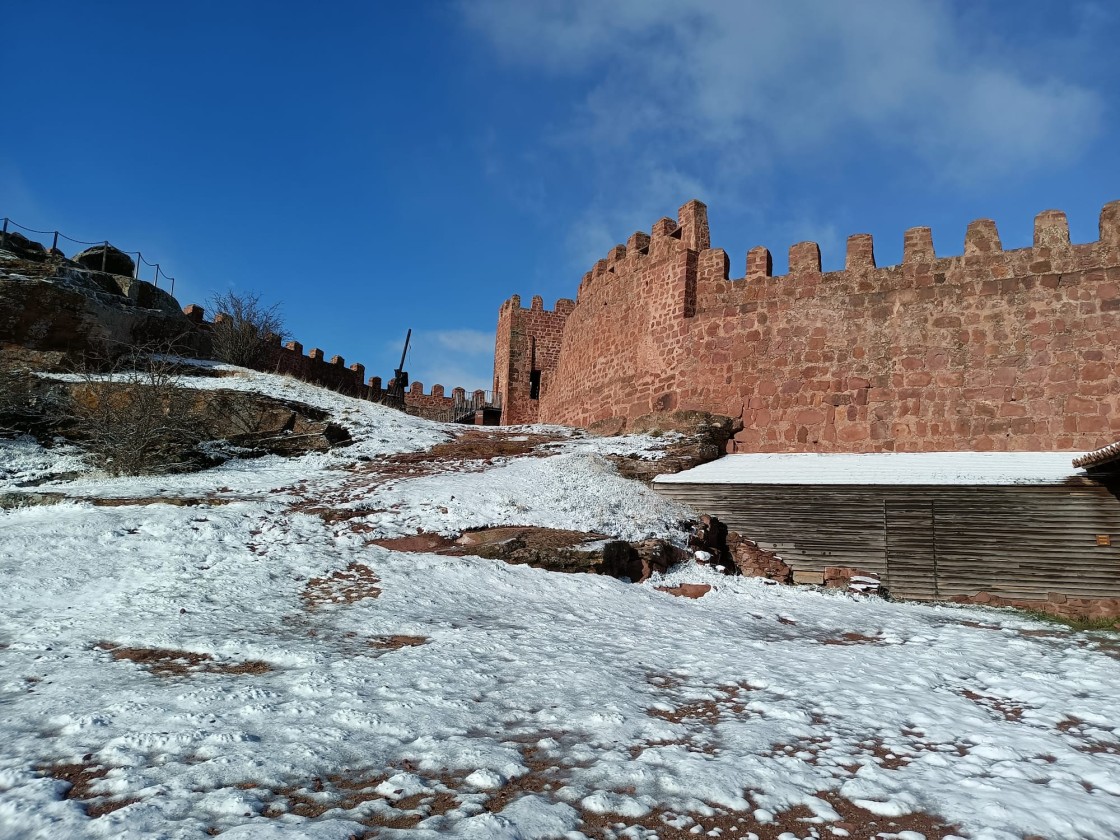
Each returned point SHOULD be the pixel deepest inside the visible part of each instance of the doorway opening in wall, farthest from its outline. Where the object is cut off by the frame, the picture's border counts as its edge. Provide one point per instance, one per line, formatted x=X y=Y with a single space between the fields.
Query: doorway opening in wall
x=534 y=384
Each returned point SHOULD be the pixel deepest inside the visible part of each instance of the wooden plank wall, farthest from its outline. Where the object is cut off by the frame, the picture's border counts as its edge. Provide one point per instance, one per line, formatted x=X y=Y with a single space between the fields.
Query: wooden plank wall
x=1015 y=541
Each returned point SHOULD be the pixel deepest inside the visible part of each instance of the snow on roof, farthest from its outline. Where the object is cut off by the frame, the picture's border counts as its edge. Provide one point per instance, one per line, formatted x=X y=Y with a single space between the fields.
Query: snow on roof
x=913 y=468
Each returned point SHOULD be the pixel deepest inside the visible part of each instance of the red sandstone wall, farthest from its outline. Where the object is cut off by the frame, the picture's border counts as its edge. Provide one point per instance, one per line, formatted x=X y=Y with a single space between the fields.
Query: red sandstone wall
x=526 y=340
x=438 y=406
x=989 y=350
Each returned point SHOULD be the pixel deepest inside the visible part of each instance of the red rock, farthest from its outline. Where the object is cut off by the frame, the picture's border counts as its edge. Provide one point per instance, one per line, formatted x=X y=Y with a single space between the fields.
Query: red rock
x=687 y=590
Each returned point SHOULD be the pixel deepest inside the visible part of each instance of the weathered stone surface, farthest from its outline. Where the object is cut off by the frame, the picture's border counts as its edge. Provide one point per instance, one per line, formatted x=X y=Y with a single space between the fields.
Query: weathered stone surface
x=147 y=296
x=708 y=541
x=551 y=549
x=57 y=306
x=253 y=423
x=106 y=258
x=687 y=590
x=705 y=437
x=753 y=561
x=16 y=243
x=638 y=561
x=608 y=427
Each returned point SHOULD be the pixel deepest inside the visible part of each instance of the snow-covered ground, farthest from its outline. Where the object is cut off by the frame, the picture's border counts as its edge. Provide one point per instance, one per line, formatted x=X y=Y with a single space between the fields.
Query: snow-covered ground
x=350 y=686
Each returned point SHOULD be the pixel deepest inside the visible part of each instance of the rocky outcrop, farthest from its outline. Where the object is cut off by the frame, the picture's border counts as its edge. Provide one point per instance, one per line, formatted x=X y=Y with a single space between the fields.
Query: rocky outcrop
x=106 y=258
x=203 y=427
x=698 y=437
x=733 y=553
x=52 y=305
x=638 y=561
x=551 y=549
x=753 y=561
x=20 y=246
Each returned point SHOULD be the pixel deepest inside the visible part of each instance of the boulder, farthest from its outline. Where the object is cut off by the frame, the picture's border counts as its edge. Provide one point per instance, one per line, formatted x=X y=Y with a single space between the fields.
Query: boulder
x=708 y=541
x=106 y=258
x=147 y=296
x=752 y=561
x=21 y=246
x=638 y=561
x=56 y=306
x=608 y=427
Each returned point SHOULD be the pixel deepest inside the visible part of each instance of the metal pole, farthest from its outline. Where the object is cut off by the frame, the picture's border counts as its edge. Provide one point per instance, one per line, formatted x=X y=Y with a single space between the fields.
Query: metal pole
x=136 y=273
x=173 y=287
x=4 y=234
x=404 y=353
x=54 y=245
x=156 y=278
x=104 y=254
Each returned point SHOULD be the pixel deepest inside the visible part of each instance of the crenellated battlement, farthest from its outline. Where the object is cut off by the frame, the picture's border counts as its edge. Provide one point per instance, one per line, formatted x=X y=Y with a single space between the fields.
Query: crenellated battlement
x=691 y=233
x=563 y=306
x=289 y=358
x=987 y=348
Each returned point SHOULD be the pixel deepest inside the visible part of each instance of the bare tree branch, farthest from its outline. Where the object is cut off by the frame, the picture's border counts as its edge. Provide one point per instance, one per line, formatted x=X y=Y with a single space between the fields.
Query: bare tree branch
x=245 y=331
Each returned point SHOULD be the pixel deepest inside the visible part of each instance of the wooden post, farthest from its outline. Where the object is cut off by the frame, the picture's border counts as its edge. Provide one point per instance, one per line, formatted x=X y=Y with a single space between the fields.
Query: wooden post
x=155 y=279
x=54 y=245
x=4 y=234
x=104 y=254
x=136 y=273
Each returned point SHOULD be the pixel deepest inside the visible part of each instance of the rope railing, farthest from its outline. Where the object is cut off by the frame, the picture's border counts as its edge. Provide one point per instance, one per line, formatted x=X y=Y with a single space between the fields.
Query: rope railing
x=159 y=272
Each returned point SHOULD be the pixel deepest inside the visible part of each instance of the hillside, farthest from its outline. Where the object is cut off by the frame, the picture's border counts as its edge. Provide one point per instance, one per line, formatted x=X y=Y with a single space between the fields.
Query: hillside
x=231 y=652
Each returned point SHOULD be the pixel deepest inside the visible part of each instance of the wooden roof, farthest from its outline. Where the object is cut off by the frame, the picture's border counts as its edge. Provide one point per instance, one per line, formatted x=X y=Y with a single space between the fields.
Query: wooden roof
x=1099 y=457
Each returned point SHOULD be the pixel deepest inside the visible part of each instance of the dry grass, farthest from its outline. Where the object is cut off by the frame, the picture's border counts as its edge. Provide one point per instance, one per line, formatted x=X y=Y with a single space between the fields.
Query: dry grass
x=852 y=639
x=354 y=583
x=396 y=642
x=480 y=446
x=350 y=790
x=860 y=824
x=82 y=777
x=1010 y=711
x=1077 y=728
x=164 y=662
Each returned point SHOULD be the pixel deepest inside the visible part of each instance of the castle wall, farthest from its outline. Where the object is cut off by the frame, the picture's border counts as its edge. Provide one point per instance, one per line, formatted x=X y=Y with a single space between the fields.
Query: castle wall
x=527 y=347
x=988 y=350
x=315 y=368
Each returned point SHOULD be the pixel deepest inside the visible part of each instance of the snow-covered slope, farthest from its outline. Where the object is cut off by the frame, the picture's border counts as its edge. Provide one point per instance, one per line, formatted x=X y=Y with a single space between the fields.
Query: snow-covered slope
x=350 y=687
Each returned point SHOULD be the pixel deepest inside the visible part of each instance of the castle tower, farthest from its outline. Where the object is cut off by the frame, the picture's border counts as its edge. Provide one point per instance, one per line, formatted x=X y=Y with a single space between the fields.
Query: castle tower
x=526 y=350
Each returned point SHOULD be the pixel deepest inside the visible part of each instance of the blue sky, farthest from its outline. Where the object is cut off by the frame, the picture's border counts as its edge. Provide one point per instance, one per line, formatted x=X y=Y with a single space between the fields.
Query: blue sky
x=377 y=166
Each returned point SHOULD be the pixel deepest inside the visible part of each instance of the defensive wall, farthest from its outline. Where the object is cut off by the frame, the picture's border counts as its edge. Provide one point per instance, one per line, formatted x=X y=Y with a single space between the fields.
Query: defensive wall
x=988 y=350
x=289 y=358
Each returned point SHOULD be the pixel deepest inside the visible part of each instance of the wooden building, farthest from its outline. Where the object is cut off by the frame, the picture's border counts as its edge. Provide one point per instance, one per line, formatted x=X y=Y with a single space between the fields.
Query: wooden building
x=1009 y=527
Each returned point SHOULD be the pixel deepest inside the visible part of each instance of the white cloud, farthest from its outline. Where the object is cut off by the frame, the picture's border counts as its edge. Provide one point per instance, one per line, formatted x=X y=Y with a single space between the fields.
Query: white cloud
x=767 y=80
x=681 y=100
x=469 y=342
x=461 y=358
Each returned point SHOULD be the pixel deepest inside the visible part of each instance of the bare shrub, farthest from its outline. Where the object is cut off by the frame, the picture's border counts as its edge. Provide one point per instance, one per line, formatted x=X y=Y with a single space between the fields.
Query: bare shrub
x=133 y=416
x=245 y=330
